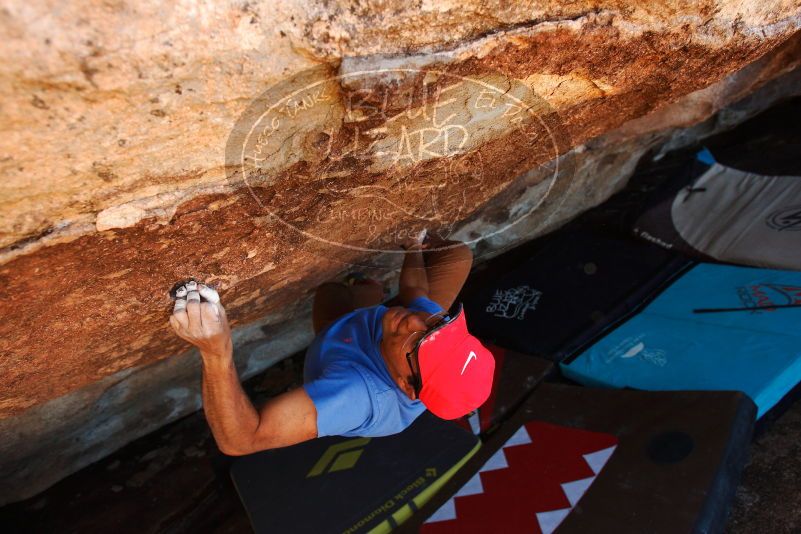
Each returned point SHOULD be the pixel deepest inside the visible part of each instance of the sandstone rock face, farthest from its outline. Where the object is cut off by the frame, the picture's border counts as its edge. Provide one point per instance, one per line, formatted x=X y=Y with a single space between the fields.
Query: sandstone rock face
x=268 y=147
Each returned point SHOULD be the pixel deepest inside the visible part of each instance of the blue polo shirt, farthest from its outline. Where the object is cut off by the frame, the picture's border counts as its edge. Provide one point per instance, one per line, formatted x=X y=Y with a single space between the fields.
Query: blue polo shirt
x=348 y=381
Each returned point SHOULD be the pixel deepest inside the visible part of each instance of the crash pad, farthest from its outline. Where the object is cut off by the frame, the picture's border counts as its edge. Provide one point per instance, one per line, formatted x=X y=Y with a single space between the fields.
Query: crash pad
x=727 y=215
x=516 y=375
x=337 y=484
x=582 y=281
x=713 y=328
x=595 y=460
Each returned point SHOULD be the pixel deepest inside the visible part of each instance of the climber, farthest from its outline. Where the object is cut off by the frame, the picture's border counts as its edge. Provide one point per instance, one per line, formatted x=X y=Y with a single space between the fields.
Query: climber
x=370 y=370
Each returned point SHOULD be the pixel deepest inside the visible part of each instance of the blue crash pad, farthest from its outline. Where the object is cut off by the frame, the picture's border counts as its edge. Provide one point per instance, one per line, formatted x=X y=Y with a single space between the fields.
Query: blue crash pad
x=669 y=346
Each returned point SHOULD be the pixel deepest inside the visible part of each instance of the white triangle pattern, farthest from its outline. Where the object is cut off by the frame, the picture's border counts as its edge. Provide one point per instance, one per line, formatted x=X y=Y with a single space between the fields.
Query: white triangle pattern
x=520 y=437
x=496 y=461
x=597 y=460
x=548 y=521
x=575 y=490
x=473 y=486
x=446 y=512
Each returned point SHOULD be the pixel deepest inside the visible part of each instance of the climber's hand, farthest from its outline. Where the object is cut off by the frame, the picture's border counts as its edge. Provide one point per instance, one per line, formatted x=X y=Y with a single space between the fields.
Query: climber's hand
x=419 y=239
x=202 y=322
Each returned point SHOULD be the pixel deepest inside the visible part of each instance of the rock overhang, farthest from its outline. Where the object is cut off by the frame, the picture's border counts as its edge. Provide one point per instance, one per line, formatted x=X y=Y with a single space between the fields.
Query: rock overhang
x=118 y=180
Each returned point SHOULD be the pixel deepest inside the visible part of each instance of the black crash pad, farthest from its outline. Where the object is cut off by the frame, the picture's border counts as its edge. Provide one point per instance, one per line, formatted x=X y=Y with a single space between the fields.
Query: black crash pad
x=590 y=460
x=337 y=484
x=575 y=287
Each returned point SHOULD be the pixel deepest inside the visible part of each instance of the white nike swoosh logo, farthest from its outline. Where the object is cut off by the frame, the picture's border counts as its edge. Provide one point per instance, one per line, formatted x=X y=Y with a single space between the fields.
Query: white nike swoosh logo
x=470 y=357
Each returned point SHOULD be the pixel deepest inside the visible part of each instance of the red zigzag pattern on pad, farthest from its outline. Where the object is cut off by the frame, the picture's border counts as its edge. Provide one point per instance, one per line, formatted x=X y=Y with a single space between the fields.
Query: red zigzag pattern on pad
x=530 y=485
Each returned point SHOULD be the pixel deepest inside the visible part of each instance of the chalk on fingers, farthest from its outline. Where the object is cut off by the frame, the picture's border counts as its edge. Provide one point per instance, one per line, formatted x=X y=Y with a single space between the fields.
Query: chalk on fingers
x=181 y=292
x=193 y=296
x=180 y=305
x=209 y=312
x=191 y=285
x=209 y=294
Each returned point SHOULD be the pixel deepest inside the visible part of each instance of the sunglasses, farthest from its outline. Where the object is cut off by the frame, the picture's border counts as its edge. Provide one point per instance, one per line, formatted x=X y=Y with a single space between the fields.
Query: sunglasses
x=412 y=357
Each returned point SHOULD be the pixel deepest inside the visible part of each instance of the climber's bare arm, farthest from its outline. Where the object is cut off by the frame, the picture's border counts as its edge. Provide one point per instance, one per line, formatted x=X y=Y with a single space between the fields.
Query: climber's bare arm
x=413 y=279
x=238 y=428
x=235 y=423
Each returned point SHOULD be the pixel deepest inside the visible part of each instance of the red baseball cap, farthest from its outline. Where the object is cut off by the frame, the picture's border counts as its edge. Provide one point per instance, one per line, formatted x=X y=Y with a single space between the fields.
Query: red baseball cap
x=456 y=369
